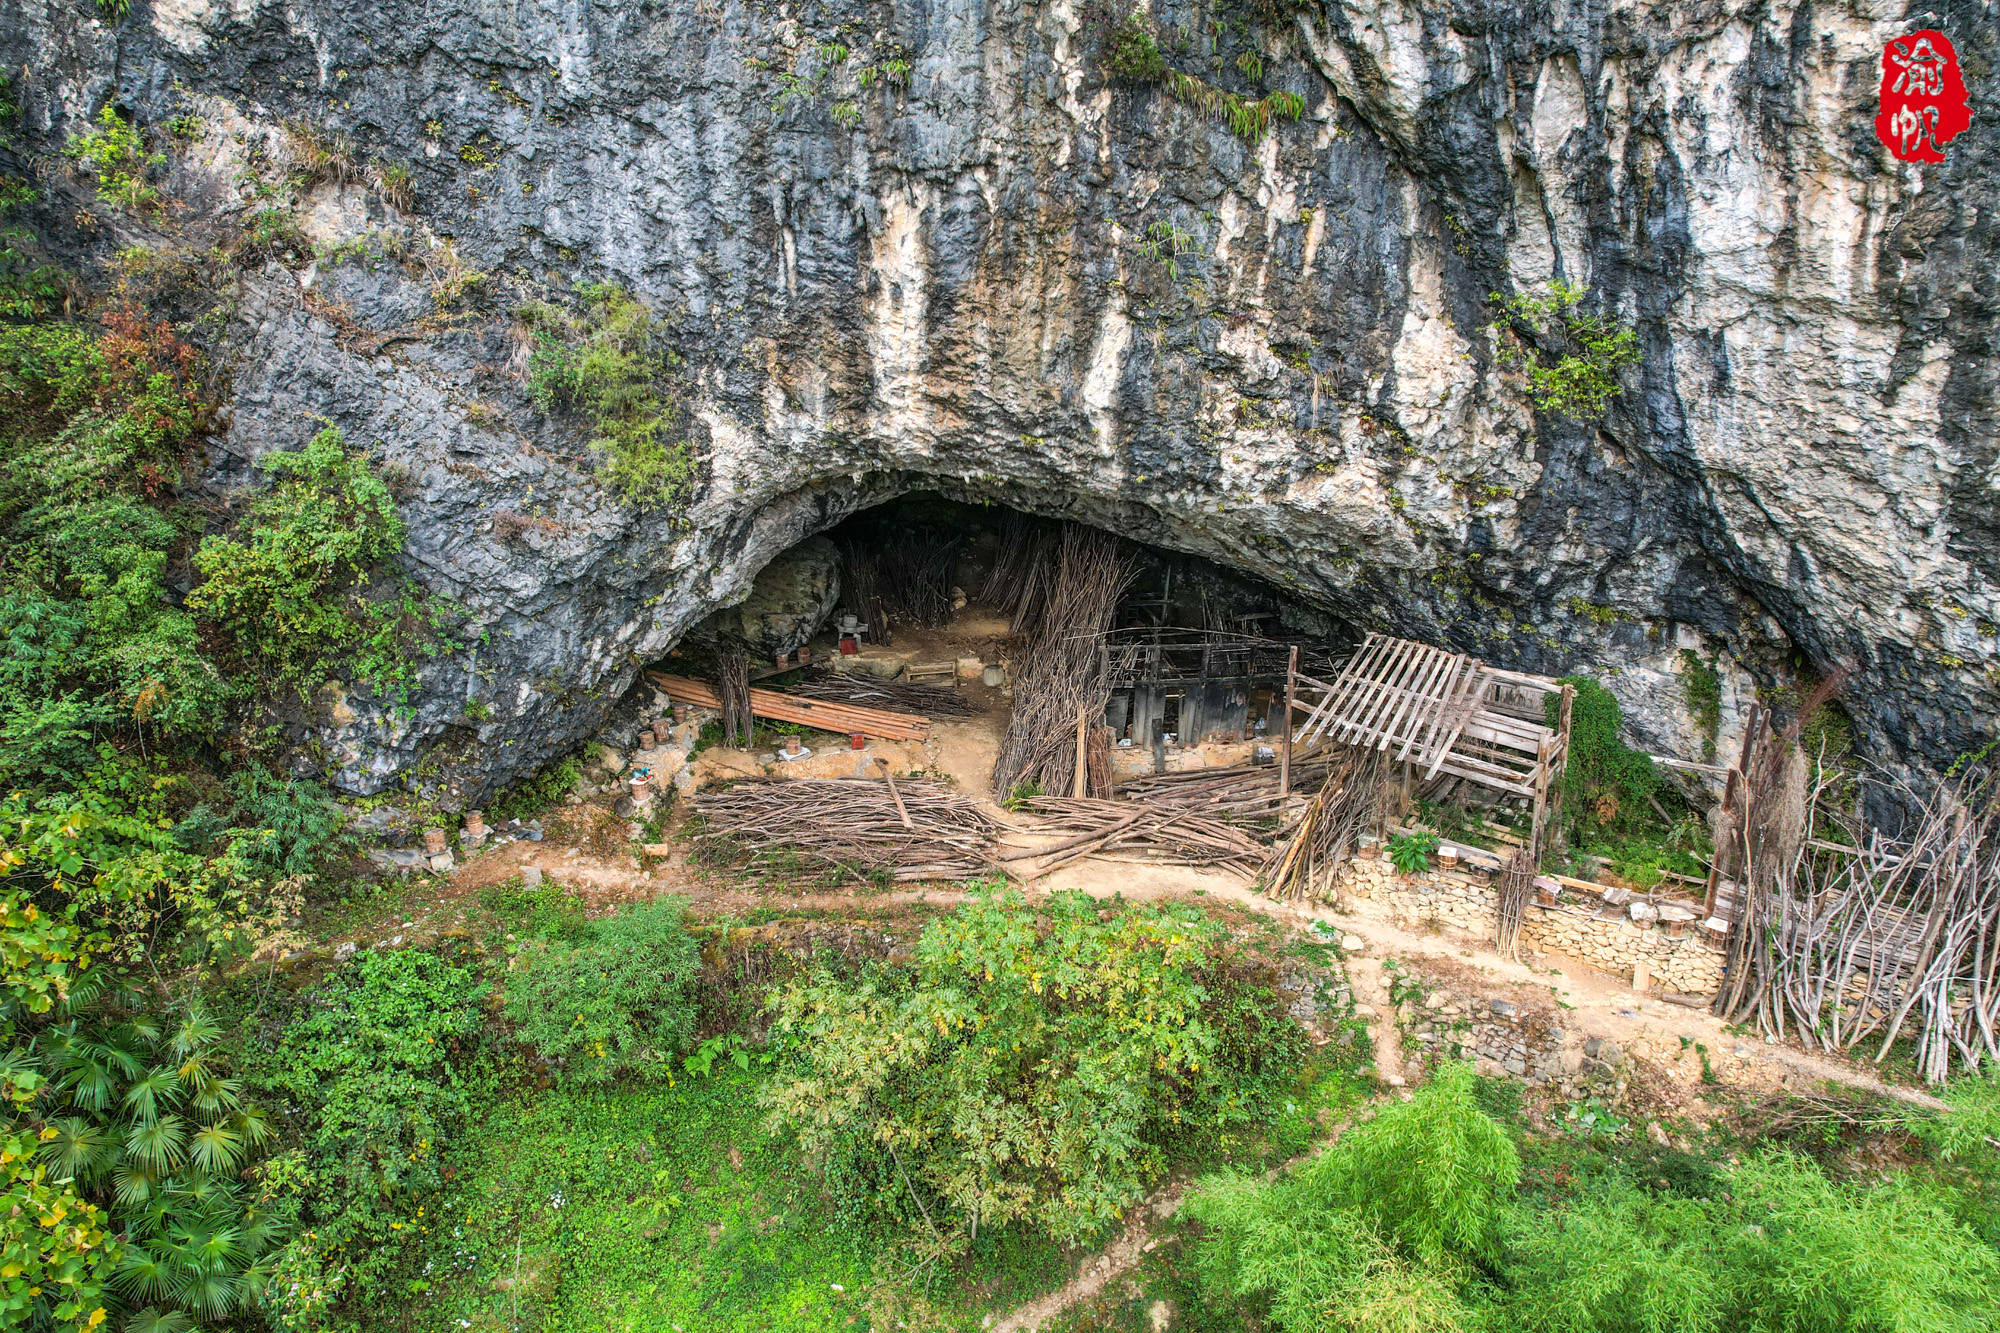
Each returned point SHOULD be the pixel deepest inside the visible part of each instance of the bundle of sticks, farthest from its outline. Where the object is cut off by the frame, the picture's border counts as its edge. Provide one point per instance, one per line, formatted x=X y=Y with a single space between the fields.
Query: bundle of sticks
x=1346 y=805
x=732 y=694
x=860 y=590
x=898 y=696
x=1881 y=940
x=916 y=578
x=1018 y=572
x=1061 y=678
x=1242 y=792
x=910 y=830
x=1129 y=830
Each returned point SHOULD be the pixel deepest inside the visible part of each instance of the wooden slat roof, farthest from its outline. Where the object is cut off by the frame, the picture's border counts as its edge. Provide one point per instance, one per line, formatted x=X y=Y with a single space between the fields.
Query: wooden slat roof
x=1434 y=708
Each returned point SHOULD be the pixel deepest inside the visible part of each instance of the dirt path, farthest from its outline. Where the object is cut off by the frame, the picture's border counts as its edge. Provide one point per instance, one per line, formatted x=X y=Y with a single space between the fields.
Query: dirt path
x=1115 y=1260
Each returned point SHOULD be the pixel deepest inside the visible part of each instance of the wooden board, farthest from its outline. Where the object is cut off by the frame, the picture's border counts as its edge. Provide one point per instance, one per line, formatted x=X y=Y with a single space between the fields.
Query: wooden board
x=821 y=713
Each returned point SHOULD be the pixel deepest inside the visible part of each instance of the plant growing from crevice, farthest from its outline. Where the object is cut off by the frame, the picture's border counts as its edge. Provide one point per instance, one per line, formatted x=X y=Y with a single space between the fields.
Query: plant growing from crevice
x=1701 y=686
x=1133 y=55
x=609 y=360
x=116 y=154
x=1165 y=243
x=1411 y=853
x=1572 y=358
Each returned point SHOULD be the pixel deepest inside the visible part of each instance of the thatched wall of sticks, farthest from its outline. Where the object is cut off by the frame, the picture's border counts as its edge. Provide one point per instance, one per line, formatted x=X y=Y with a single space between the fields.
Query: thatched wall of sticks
x=1059 y=676
x=1842 y=948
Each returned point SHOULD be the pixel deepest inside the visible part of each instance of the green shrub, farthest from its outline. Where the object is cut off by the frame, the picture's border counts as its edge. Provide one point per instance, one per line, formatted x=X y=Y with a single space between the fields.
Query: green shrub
x=539 y=790
x=1411 y=853
x=1572 y=360
x=118 y=157
x=613 y=1003
x=1616 y=1259
x=382 y=1066
x=1605 y=783
x=92 y=427
x=1377 y=1231
x=1033 y=1068
x=291 y=586
x=609 y=360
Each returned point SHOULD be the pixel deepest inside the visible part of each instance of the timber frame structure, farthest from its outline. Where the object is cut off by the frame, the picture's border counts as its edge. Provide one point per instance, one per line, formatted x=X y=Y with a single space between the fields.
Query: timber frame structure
x=1439 y=712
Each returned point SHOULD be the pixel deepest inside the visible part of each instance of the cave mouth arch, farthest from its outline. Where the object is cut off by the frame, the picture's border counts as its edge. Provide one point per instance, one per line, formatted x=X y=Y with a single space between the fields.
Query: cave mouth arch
x=929 y=586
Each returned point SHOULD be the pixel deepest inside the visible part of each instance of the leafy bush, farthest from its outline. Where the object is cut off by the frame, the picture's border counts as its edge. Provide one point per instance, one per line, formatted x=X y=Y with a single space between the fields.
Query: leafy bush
x=147 y=1123
x=539 y=790
x=117 y=155
x=290 y=587
x=614 y=1002
x=1605 y=783
x=609 y=360
x=953 y=1098
x=92 y=427
x=1373 y=1233
x=1411 y=853
x=1572 y=359
x=383 y=1065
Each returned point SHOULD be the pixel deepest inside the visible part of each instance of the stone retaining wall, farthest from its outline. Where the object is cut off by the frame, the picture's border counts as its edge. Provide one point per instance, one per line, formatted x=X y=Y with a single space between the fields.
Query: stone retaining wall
x=1467 y=900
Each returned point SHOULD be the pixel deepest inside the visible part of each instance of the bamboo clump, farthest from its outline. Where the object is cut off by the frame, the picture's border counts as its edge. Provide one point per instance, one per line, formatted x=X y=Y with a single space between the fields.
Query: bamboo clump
x=912 y=830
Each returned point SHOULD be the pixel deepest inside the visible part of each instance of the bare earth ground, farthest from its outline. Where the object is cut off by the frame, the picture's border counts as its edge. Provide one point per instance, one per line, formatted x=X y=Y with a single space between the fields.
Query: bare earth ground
x=585 y=851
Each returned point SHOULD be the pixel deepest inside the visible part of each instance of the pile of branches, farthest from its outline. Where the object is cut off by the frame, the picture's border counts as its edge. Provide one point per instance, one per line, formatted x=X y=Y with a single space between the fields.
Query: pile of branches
x=864 y=828
x=1129 y=830
x=1346 y=805
x=1873 y=941
x=916 y=578
x=1246 y=793
x=1059 y=681
x=861 y=590
x=898 y=696
x=1020 y=570
x=731 y=680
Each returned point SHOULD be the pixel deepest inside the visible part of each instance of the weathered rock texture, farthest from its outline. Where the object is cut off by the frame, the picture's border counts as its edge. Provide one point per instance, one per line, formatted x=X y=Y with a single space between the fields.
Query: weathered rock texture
x=908 y=244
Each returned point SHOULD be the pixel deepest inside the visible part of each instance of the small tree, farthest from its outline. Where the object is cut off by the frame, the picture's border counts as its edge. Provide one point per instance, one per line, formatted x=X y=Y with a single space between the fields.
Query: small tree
x=615 y=1001
x=1572 y=359
x=1031 y=1070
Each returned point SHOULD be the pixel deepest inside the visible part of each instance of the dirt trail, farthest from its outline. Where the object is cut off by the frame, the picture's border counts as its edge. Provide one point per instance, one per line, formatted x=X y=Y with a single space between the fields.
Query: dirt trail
x=1121 y=1256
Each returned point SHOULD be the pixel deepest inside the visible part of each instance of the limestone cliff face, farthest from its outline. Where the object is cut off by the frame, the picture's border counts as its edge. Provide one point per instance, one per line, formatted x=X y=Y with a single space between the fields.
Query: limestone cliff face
x=933 y=243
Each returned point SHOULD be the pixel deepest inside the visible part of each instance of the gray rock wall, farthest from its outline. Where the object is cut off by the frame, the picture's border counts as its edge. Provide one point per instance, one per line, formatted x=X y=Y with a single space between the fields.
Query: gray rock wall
x=944 y=279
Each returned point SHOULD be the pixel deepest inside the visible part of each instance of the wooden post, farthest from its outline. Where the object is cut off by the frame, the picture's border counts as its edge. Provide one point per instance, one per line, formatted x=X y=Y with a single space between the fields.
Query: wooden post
x=1082 y=784
x=1725 y=824
x=1285 y=741
x=894 y=795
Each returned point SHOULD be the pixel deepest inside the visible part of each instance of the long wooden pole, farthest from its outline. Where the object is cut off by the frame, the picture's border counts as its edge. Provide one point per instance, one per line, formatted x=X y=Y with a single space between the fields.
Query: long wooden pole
x=1082 y=784
x=1285 y=742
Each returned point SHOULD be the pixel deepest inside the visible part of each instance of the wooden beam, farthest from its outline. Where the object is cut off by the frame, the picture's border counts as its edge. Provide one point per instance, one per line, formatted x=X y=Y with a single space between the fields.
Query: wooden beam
x=1285 y=753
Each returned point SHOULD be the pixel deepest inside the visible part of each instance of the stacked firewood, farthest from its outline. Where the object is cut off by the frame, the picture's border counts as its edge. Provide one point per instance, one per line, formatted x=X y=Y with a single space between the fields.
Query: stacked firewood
x=1060 y=686
x=901 y=830
x=1242 y=792
x=898 y=696
x=1320 y=843
x=1128 y=830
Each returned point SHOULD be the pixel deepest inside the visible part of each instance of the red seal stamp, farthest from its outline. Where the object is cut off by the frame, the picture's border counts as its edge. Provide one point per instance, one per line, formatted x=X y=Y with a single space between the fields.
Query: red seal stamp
x=1923 y=97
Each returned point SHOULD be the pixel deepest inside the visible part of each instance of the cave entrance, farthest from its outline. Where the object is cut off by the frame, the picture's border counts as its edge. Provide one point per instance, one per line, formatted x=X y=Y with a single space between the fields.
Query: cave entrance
x=972 y=615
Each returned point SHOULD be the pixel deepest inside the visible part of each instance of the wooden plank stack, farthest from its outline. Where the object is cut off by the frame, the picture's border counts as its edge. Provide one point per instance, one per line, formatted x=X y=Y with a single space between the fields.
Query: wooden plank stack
x=826 y=714
x=1243 y=793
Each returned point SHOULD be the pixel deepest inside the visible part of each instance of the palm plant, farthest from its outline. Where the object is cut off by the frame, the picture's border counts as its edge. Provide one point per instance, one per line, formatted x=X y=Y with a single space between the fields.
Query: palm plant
x=151 y=1123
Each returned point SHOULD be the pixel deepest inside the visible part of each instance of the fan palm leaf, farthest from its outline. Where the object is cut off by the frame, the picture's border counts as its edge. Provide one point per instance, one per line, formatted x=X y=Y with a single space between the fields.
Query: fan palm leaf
x=216 y=1148
x=134 y=1182
x=211 y=1093
x=146 y=1274
x=155 y=1091
x=153 y=1319
x=161 y=1145
x=253 y=1125
x=78 y=1148
x=196 y=1031
x=211 y=1293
